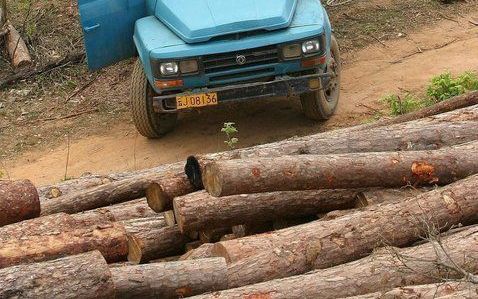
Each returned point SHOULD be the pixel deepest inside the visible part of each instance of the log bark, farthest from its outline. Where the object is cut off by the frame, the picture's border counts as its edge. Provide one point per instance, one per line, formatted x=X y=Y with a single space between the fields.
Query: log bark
x=355 y=170
x=170 y=280
x=18 y=201
x=200 y=210
x=203 y=251
x=81 y=276
x=446 y=129
x=427 y=291
x=51 y=225
x=384 y=270
x=109 y=238
x=151 y=238
x=126 y=211
x=376 y=196
x=322 y=244
x=160 y=194
x=71 y=186
x=93 y=180
x=17 y=49
x=100 y=196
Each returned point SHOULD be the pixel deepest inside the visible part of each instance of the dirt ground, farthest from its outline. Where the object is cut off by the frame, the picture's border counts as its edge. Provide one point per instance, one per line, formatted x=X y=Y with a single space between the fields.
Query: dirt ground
x=383 y=56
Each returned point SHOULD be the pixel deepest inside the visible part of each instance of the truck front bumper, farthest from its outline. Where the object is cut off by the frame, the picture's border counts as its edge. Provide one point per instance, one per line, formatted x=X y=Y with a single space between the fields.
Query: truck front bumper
x=281 y=86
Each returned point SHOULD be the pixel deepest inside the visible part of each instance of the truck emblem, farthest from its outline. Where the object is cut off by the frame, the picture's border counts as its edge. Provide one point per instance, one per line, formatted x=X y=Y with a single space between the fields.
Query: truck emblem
x=241 y=59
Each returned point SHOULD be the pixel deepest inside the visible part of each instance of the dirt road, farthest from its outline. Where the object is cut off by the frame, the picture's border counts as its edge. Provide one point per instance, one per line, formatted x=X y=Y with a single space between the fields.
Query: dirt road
x=403 y=64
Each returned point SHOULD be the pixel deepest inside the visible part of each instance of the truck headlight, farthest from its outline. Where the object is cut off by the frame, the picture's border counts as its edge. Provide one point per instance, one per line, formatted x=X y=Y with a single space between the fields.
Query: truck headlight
x=311 y=46
x=188 y=66
x=291 y=51
x=169 y=68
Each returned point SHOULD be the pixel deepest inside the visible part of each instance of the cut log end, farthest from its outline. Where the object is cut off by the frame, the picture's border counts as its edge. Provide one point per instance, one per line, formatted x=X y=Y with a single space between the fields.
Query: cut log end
x=157 y=198
x=169 y=218
x=134 y=250
x=211 y=180
x=193 y=172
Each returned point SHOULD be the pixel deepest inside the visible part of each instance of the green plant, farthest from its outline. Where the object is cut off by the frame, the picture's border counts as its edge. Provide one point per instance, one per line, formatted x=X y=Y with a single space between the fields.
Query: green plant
x=230 y=130
x=402 y=105
x=445 y=86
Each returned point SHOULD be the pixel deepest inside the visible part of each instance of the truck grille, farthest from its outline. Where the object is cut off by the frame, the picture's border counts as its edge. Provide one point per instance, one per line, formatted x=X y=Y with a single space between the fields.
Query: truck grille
x=227 y=61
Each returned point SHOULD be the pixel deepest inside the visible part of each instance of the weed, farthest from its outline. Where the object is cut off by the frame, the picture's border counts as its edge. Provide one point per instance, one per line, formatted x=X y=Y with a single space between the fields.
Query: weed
x=230 y=130
x=442 y=87
x=402 y=105
x=445 y=86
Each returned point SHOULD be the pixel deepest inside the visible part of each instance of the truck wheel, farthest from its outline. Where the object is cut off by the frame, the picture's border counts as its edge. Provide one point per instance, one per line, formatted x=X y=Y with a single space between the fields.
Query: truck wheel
x=321 y=104
x=148 y=123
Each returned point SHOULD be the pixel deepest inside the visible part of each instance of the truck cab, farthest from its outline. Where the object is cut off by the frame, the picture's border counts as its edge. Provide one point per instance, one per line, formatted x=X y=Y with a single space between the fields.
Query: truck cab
x=197 y=53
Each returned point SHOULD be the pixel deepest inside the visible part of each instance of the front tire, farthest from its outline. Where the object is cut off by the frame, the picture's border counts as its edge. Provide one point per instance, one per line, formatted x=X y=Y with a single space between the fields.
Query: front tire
x=148 y=123
x=321 y=104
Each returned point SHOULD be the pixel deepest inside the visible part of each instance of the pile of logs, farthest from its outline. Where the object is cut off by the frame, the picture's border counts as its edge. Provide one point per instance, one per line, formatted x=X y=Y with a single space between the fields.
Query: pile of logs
x=385 y=210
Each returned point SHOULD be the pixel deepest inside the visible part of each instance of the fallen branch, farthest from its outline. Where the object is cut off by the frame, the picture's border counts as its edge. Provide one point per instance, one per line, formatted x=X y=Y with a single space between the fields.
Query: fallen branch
x=26 y=74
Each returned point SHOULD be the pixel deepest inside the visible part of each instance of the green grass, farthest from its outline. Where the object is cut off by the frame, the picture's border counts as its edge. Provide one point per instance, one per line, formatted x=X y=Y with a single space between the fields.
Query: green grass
x=441 y=87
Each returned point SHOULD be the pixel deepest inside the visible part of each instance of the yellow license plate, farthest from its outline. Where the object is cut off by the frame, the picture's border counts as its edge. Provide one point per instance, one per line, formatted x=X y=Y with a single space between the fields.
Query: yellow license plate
x=196 y=100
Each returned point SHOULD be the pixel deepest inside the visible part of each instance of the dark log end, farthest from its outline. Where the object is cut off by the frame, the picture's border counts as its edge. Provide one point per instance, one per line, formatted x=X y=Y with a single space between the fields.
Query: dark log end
x=193 y=171
x=157 y=199
x=134 y=250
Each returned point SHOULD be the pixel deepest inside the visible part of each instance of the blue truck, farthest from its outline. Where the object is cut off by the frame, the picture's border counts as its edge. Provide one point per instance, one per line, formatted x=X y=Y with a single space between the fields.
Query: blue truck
x=197 y=53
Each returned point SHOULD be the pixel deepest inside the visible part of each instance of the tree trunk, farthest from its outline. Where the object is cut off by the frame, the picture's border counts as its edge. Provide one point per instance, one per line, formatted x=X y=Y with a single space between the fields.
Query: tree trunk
x=126 y=211
x=376 y=196
x=17 y=49
x=322 y=244
x=160 y=194
x=447 y=129
x=427 y=291
x=355 y=170
x=81 y=276
x=100 y=196
x=151 y=238
x=109 y=238
x=170 y=280
x=203 y=251
x=384 y=270
x=199 y=211
x=18 y=201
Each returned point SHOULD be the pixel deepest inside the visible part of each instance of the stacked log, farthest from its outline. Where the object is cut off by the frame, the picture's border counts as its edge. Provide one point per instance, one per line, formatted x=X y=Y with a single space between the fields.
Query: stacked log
x=385 y=269
x=200 y=210
x=428 y=291
x=323 y=244
x=331 y=215
x=151 y=238
x=80 y=276
x=309 y=172
x=170 y=280
x=19 y=201
x=160 y=193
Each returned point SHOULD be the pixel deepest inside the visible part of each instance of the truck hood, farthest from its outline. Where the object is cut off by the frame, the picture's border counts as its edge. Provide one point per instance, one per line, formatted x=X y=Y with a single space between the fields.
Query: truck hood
x=200 y=20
